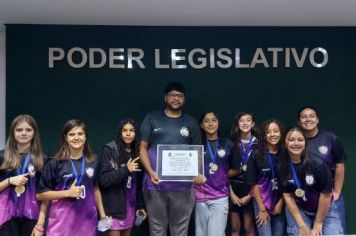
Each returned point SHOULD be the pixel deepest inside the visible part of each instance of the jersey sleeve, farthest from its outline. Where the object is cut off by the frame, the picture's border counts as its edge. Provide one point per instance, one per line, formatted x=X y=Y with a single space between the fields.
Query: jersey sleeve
x=48 y=179
x=252 y=169
x=195 y=133
x=338 y=151
x=323 y=176
x=234 y=158
x=146 y=128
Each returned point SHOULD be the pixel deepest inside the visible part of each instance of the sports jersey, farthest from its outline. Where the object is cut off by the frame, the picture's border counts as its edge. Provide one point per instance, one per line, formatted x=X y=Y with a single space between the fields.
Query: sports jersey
x=238 y=183
x=316 y=180
x=158 y=128
x=70 y=216
x=25 y=205
x=217 y=182
x=263 y=177
x=327 y=146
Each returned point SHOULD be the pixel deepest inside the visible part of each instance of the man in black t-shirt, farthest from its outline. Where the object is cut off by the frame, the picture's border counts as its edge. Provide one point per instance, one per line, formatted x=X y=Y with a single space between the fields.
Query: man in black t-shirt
x=167 y=203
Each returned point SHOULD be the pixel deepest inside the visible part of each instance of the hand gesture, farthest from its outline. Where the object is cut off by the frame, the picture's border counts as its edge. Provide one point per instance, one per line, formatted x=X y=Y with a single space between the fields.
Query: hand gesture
x=132 y=165
x=74 y=191
x=19 y=180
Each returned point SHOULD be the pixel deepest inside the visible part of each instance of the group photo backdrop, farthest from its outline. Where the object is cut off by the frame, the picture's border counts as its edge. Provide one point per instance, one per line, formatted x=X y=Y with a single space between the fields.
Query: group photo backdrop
x=102 y=74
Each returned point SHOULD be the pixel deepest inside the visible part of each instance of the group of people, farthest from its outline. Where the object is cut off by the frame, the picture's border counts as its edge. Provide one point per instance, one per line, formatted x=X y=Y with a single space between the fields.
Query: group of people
x=266 y=179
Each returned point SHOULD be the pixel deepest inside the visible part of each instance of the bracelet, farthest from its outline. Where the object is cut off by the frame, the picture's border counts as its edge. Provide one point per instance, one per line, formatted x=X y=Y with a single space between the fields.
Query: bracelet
x=8 y=181
x=301 y=226
x=39 y=228
x=263 y=210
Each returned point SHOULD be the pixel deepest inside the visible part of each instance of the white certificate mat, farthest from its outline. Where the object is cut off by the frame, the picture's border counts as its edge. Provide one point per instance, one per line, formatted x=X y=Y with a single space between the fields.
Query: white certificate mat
x=180 y=163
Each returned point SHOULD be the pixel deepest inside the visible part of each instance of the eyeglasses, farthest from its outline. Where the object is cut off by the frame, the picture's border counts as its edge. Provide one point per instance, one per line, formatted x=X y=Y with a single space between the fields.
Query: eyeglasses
x=177 y=96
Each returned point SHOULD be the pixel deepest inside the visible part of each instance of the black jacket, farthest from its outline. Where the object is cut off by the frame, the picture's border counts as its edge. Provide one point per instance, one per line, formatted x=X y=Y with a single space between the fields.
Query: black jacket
x=113 y=174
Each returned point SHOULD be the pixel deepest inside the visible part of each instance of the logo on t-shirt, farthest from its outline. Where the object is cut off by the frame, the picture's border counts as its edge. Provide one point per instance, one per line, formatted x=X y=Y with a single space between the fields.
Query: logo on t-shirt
x=184 y=131
x=90 y=172
x=309 y=179
x=323 y=149
x=31 y=170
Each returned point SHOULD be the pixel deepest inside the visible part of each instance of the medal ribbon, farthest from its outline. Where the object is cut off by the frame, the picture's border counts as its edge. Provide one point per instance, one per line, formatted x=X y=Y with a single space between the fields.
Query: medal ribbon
x=296 y=180
x=25 y=165
x=80 y=178
x=270 y=164
x=245 y=154
x=212 y=155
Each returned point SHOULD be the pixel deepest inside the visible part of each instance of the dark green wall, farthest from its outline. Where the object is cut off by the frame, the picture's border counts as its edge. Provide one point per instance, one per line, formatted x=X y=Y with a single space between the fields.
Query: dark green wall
x=101 y=97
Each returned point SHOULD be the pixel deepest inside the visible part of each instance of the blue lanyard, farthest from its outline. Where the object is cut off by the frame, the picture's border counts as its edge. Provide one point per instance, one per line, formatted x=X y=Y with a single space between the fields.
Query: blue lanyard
x=245 y=154
x=80 y=178
x=296 y=180
x=25 y=164
x=270 y=164
x=212 y=155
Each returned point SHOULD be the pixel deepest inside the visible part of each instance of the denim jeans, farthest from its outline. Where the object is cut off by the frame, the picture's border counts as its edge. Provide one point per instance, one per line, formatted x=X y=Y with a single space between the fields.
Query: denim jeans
x=331 y=223
x=274 y=227
x=340 y=203
x=211 y=217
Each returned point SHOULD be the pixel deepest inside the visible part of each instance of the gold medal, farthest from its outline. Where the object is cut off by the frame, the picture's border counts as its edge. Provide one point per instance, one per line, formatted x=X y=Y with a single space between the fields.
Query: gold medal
x=19 y=190
x=244 y=167
x=213 y=167
x=299 y=192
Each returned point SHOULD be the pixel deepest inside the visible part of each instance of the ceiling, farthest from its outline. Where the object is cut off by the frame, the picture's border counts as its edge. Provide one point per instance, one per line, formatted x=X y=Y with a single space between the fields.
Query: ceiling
x=181 y=13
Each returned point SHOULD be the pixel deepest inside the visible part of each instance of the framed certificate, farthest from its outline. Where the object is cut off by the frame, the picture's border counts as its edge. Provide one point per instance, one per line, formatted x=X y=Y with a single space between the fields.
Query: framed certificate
x=179 y=162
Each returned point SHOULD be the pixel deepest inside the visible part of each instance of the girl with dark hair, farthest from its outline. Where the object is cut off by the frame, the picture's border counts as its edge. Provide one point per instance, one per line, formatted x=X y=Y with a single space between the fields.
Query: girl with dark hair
x=244 y=135
x=120 y=179
x=20 y=165
x=211 y=196
x=325 y=145
x=69 y=181
x=306 y=185
x=262 y=176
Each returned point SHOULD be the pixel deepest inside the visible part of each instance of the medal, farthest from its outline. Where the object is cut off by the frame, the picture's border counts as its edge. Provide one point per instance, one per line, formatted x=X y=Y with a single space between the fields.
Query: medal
x=79 y=178
x=245 y=154
x=19 y=190
x=213 y=167
x=271 y=166
x=299 y=192
x=82 y=194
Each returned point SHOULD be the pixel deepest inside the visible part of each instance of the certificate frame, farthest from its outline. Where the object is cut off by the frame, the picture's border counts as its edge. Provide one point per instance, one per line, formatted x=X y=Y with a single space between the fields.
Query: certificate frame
x=179 y=162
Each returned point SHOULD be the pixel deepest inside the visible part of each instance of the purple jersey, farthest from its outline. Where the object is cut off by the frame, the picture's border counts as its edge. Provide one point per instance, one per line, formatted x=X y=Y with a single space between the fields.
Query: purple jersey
x=238 y=183
x=25 y=205
x=264 y=174
x=70 y=216
x=217 y=181
x=326 y=146
x=316 y=180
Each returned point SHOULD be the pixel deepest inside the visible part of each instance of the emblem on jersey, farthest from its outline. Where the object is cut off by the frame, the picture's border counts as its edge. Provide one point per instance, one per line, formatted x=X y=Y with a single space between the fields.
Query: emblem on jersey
x=221 y=152
x=31 y=170
x=323 y=149
x=90 y=172
x=184 y=131
x=309 y=179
